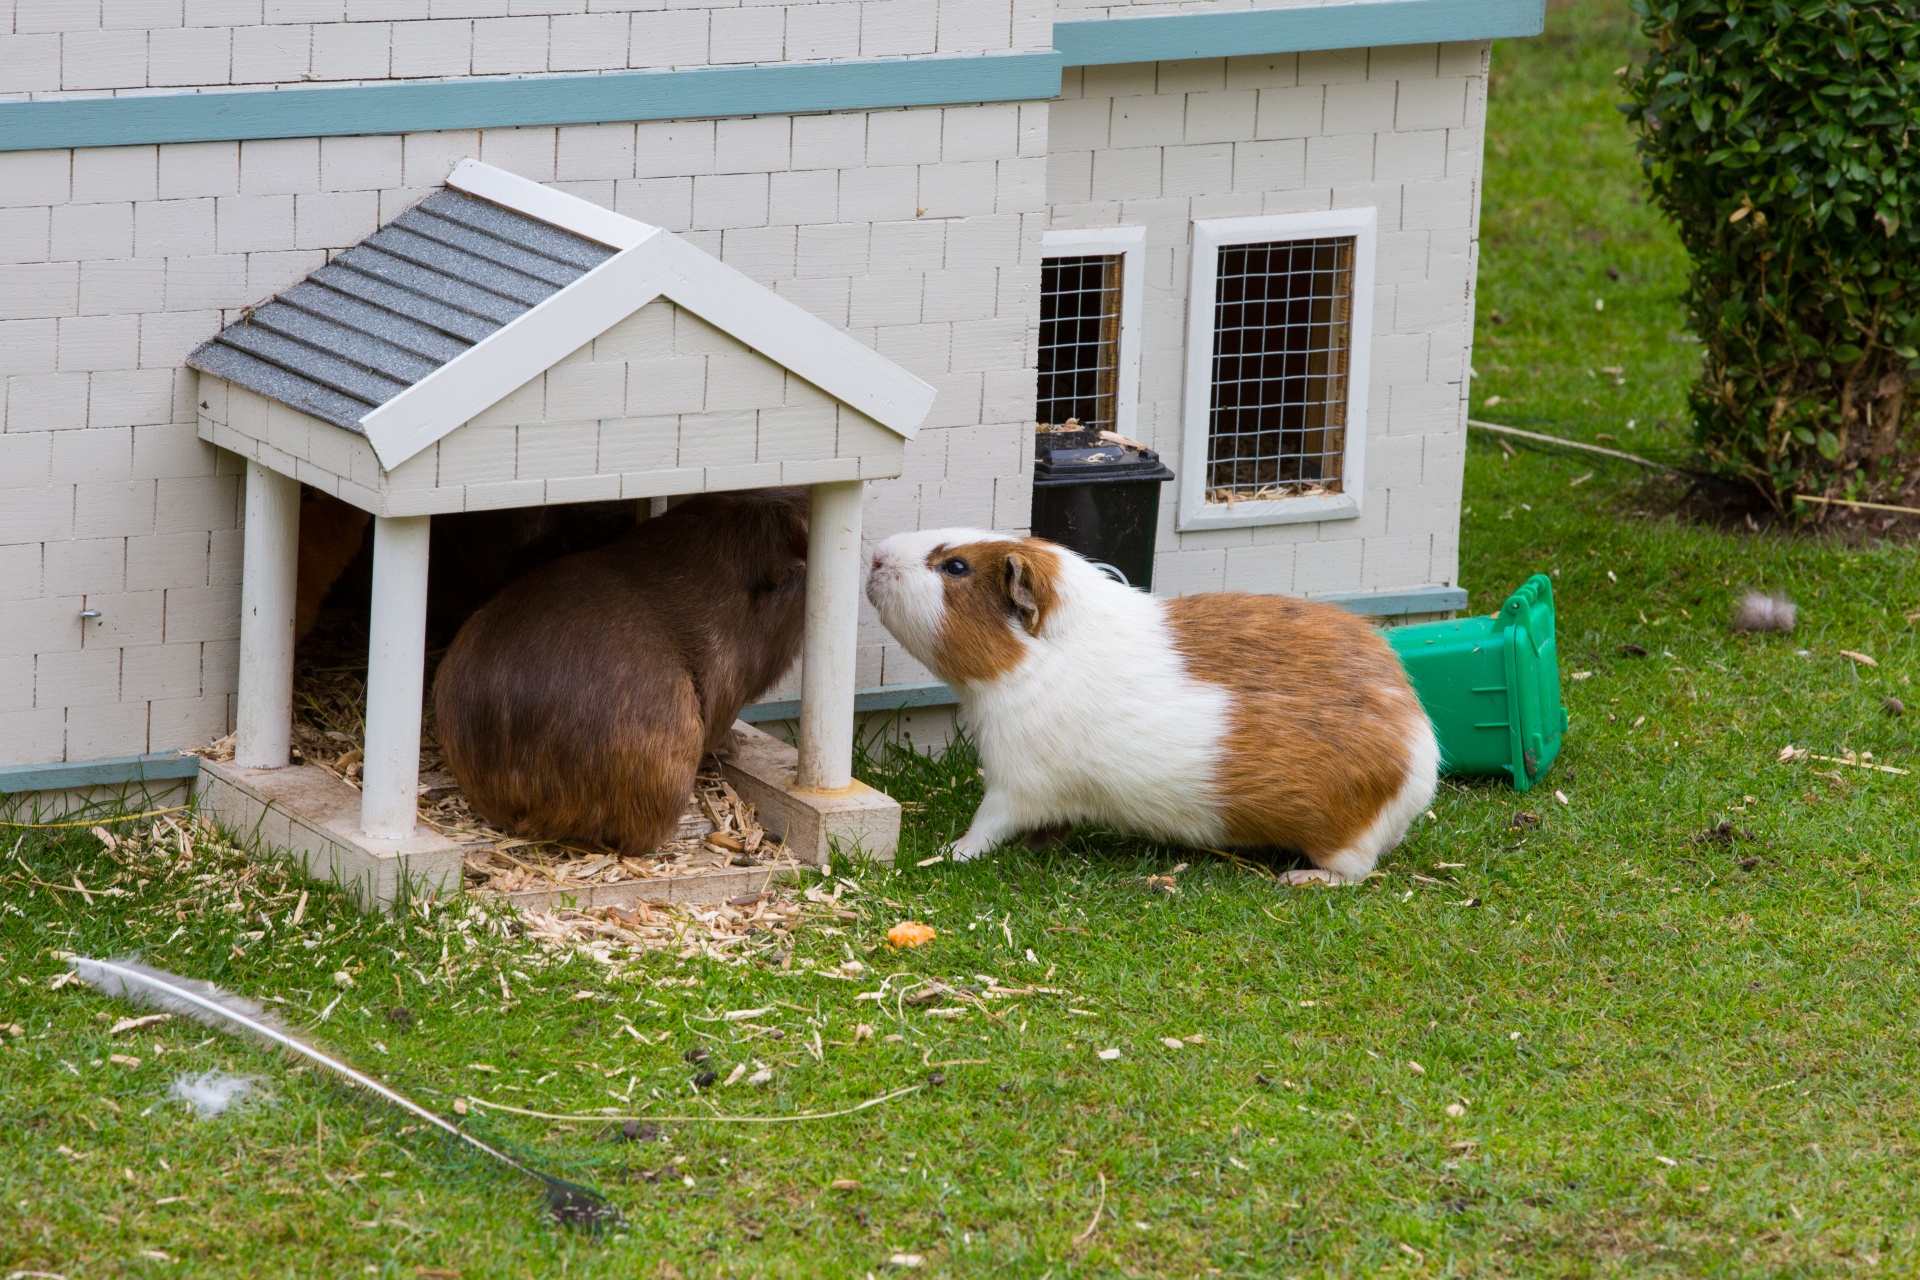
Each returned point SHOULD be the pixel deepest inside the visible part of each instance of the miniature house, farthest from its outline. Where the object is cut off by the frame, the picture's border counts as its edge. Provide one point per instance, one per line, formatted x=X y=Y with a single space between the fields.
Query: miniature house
x=891 y=235
x=502 y=344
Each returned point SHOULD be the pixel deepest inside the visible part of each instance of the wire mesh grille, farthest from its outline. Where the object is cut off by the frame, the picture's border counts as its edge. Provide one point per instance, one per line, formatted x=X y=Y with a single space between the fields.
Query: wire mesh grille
x=1079 y=342
x=1282 y=328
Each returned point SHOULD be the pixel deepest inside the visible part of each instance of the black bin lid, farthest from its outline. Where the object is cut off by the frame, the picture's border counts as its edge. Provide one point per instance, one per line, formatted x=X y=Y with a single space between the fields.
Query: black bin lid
x=1082 y=457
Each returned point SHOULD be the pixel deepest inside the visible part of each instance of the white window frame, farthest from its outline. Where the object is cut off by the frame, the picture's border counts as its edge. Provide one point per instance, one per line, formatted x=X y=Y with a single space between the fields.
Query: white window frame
x=1209 y=236
x=1130 y=244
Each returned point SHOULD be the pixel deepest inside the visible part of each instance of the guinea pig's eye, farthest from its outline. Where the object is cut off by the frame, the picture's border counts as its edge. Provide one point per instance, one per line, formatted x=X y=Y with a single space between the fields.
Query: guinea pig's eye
x=955 y=568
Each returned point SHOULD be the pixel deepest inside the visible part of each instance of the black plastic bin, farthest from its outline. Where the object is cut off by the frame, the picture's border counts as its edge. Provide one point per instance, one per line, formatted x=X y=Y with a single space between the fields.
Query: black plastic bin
x=1099 y=498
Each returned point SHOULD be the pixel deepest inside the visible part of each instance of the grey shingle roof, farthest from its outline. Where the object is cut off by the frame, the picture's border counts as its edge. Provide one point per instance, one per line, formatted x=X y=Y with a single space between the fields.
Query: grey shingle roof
x=389 y=311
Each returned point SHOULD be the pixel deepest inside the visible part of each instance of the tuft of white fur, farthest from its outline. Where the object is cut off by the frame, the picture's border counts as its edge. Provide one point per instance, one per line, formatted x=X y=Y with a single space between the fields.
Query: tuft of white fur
x=1060 y=741
x=1356 y=862
x=212 y=1093
x=1761 y=612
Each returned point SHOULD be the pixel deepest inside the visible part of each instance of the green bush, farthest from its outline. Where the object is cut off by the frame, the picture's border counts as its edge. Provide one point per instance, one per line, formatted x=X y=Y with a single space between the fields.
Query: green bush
x=1783 y=139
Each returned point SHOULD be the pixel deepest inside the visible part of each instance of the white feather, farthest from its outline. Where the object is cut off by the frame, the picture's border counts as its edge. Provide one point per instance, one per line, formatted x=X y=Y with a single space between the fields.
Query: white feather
x=1761 y=612
x=213 y=1093
x=142 y=984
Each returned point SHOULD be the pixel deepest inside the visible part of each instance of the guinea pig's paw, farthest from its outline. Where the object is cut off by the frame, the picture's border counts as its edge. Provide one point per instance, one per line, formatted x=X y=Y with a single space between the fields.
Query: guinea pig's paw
x=1315 y=875
x=967 y=848
x=955 y=853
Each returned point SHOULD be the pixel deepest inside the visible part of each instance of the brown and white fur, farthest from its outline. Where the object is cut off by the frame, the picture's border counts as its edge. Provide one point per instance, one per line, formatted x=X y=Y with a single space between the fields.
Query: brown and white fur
x=1216 y=720
x=576 y=704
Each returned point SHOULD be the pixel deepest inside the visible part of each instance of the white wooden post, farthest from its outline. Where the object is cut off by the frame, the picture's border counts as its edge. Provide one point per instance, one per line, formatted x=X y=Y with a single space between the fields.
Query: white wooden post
x=269 y=569
x=827 y=653
x=396 y=658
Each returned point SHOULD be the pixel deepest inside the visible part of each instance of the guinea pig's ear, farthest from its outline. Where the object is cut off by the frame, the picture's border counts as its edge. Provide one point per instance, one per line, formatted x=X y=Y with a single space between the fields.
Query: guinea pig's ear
x=1029 y=590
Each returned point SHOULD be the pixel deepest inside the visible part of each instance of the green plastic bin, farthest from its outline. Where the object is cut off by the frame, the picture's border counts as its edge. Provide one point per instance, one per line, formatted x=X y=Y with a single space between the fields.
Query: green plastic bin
x=1491 y=686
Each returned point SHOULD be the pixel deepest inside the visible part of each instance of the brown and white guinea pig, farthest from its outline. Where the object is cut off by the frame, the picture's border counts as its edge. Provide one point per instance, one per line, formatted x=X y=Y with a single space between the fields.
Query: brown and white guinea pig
x=576 y=704
x=1222 y=720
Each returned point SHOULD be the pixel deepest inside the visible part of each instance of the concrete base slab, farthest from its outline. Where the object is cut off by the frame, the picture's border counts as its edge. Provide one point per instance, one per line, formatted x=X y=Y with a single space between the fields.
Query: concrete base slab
x=315 y=817
x=810 y=824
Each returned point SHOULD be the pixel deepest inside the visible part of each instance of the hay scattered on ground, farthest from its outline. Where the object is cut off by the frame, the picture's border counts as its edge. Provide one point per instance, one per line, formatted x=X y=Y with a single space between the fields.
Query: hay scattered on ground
x=180 y=873
x=750 y=926
x=719 y=830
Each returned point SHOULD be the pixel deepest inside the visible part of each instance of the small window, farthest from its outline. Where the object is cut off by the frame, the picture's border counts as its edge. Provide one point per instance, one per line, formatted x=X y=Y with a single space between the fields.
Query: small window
x=1079 y=342
x=1278 y=331
x=1089 y=372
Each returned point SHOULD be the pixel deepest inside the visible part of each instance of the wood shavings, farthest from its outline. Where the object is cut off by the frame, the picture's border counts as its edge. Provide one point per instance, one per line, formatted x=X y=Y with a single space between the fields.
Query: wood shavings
x=718 y=833
x=1855 y=760
x=721 y=931
x=1266 y=493
x=134 y=1024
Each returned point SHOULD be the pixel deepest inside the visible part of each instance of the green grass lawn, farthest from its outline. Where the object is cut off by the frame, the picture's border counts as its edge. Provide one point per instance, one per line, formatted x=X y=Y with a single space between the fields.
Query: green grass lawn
x=1639 y=1049
x=1578 y=333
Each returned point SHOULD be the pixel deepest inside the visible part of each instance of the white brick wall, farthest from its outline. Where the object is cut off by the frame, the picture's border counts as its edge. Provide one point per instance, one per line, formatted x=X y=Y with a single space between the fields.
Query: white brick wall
x=1399 y=129
x=49 y=48
x=917 y=231
x=108 y=499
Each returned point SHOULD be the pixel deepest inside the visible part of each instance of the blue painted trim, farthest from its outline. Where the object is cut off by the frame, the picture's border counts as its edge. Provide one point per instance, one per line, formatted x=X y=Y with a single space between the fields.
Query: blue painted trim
x=419 y=106
x=1322 y=26
x=886 y=697
x=783 y=89
x=1398 y=604
x=153 y=767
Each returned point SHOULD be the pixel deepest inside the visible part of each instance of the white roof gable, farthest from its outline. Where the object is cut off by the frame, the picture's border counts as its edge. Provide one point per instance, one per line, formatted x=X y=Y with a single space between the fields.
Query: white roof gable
x=650 y=263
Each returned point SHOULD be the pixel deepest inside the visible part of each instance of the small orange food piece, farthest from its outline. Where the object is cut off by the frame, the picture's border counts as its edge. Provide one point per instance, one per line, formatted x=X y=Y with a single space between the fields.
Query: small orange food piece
x=910 y=933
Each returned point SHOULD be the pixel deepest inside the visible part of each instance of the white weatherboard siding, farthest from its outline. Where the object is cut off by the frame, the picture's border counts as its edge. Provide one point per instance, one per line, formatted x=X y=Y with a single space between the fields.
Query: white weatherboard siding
x=1398 y=130
x=53 y=49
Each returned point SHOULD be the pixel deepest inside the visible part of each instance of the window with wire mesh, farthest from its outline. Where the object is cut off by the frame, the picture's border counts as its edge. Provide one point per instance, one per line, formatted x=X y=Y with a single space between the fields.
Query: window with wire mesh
x=1079 y=342
x=1282 y=328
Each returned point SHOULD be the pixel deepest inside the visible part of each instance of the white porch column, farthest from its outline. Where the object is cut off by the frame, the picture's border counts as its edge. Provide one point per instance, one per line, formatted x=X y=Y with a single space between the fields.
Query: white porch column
x=269 y=569
x=827 y=654
x=396 y=657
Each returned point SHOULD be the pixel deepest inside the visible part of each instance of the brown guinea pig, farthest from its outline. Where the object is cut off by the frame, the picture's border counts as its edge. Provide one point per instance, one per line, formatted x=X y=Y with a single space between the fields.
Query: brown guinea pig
x=576 y=704
x=331 y=532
